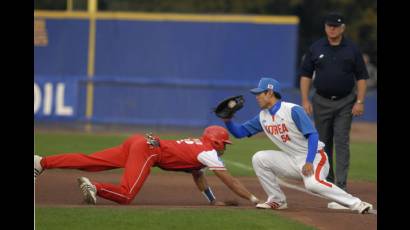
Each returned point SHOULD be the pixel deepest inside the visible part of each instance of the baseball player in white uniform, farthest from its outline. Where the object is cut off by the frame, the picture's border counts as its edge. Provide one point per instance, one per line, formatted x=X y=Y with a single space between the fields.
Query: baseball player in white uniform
x=301 y=156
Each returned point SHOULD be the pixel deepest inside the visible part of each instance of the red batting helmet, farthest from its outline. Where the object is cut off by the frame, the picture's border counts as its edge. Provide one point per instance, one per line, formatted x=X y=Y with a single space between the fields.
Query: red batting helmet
x=217 y=136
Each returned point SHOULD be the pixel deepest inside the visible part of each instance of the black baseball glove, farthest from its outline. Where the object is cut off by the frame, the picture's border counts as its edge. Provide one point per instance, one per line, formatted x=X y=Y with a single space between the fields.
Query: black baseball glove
x=228 y=107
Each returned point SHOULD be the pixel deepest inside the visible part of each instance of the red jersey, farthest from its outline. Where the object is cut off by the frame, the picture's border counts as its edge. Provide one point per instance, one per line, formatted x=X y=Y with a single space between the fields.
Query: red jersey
x=188 y=155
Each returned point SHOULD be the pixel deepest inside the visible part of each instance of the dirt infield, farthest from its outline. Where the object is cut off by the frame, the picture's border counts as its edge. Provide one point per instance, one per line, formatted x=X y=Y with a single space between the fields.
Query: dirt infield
x=59 y=188
x=363 y=131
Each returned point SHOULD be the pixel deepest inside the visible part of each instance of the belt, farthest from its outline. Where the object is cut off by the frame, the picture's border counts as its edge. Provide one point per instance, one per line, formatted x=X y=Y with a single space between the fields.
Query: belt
x=331 y=97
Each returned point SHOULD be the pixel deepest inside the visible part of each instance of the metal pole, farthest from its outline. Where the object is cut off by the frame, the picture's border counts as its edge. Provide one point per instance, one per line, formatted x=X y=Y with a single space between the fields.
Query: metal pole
x=92 y=10
x=69 y=5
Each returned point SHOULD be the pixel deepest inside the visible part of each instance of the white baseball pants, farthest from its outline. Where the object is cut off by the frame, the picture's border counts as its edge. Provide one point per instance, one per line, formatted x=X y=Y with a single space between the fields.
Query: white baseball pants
x=270 y=164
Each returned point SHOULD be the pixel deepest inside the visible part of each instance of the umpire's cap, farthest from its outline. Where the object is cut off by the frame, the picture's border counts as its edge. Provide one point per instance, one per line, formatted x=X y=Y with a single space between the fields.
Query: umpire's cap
x=334 y=19
x=266 y=84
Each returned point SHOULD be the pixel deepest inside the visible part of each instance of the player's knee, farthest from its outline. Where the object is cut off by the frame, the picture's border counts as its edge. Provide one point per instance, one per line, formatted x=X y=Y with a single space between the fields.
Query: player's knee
x=257 y=159
x=126 y=199
x=313 y=186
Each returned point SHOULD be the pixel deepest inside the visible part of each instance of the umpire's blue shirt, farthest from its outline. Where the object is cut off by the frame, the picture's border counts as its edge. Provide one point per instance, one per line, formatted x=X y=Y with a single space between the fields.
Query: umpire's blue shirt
x=337 y=67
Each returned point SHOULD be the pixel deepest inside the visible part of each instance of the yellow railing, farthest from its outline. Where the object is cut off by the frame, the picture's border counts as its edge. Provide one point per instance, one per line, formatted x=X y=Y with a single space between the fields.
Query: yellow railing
x=218 y=18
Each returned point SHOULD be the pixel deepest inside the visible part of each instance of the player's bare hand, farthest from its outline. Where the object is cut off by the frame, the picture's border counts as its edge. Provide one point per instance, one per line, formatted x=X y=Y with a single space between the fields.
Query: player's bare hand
x=308 y=107
x=358 y=109
x=307 y=169
x=254 y=199
x=218 y=203
x=232 y=202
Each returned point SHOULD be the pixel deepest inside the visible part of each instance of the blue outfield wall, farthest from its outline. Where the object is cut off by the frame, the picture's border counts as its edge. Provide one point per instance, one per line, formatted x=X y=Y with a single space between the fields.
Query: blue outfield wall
x=162 y=72
x=195 y=51
x=184 y=105
x=66 y=51
x=158 y=102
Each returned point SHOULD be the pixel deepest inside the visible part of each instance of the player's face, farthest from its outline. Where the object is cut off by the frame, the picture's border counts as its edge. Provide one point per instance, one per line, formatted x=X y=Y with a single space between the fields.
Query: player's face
x=220 y=152
x=263 y=99
x=334 y=32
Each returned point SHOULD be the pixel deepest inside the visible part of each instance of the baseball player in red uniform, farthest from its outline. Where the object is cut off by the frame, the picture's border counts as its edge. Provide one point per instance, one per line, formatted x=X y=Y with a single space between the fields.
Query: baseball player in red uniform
x=138 y=154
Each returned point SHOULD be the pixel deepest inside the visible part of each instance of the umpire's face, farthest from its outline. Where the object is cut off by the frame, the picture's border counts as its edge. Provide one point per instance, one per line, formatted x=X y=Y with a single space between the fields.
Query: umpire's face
x=334 y=32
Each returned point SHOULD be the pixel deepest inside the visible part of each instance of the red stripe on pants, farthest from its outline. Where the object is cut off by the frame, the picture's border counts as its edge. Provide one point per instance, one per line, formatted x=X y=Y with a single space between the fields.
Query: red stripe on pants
x=319 y=168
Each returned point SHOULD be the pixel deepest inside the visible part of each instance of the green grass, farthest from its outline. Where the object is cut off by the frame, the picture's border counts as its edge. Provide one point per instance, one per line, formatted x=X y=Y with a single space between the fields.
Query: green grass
x=362 y=167
x=171 y=218
x=363 y=158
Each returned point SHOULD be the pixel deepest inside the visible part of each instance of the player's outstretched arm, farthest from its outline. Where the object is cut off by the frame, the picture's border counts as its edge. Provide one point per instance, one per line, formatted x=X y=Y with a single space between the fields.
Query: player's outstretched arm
x=200 y=180
x=202 y=184
x=235 y=185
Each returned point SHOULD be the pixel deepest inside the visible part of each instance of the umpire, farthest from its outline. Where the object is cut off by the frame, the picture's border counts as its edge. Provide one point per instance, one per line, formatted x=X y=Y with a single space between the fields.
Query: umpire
x=340 y=83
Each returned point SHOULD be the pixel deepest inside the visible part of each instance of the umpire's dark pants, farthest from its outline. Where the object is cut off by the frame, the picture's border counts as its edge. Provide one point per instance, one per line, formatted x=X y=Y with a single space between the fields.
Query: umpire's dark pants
x=333 y=119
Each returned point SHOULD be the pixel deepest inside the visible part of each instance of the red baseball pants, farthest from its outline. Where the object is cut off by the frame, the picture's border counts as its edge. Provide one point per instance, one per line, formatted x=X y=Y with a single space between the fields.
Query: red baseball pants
x=134 y=155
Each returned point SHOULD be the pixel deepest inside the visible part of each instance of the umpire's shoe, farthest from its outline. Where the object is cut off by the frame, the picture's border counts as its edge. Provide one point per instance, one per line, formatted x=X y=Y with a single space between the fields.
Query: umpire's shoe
x=37 y=166
x=88 y=189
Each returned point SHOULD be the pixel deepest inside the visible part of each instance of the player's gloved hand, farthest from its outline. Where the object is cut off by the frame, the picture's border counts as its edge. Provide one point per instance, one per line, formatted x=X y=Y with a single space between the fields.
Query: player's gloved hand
x=307 y=169
x=228 y=107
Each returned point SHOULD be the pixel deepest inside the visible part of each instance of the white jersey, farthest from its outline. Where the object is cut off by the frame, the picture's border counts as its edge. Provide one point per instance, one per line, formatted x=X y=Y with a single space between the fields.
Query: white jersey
x=211 y=160
x=282 y=130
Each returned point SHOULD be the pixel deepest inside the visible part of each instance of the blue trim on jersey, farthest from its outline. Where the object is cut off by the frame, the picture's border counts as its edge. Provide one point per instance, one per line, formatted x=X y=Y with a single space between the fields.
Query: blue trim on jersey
x=302 y=120
x=306 y=127
x=313 y=139
x=275 y=108
x=247 y=129
x=253 y=126
x=236 y=130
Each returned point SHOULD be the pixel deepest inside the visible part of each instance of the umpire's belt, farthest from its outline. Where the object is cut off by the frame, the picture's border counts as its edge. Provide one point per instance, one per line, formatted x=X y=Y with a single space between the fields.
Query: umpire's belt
x=331 y=97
